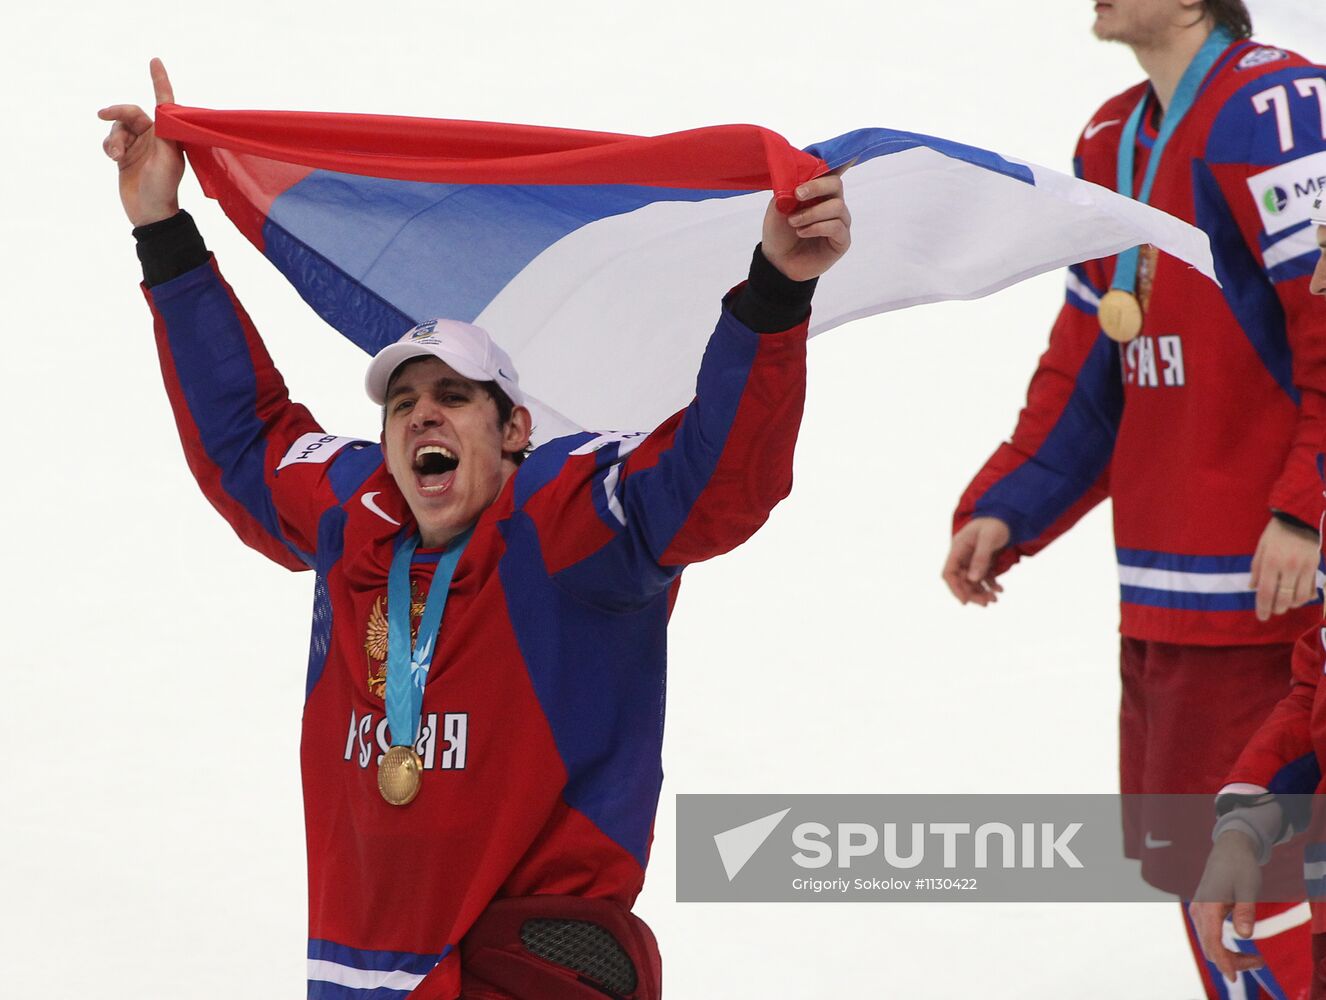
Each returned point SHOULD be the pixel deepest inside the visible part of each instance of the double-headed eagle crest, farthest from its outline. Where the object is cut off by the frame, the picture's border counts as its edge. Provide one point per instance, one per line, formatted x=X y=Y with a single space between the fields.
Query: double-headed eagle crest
x=375 y=638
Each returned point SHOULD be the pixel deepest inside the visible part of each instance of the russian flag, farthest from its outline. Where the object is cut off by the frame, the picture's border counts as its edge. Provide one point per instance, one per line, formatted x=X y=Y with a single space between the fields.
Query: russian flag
x=597 y=260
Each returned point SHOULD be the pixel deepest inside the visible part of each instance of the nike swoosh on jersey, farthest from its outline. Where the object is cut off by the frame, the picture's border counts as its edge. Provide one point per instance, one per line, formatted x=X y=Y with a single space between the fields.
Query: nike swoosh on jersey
x=367 y=501
x=1094 y=128
x=1152 y=843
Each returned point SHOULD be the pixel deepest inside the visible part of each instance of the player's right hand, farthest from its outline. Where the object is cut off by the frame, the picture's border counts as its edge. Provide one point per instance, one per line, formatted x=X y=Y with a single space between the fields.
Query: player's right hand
x=1229 y=885
x=969 y=569
x=150 y=168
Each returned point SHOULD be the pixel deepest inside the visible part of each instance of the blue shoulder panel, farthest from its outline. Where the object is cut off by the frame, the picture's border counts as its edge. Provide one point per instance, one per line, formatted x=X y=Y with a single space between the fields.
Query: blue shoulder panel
x=1242 y=134
x=600 y=681
x=351 y=467
x=1250 y=295
x=543 y=465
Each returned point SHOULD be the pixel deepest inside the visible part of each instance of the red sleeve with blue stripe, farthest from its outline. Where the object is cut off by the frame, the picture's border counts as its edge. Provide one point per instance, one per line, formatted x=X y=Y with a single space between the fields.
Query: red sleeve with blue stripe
x=1281 y=757
x=644 y=506
x=261 y=460
x=1055 y=467
x=1265 y=163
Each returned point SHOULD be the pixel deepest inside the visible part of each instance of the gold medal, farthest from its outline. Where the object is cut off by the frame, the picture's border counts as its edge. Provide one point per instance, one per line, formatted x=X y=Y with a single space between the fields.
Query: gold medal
x=1120 y=315
x=400 y=773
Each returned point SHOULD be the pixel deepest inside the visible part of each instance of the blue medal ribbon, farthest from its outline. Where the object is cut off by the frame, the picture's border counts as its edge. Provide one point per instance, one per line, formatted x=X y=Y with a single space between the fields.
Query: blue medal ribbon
x=1125 y=271
x=407 y=663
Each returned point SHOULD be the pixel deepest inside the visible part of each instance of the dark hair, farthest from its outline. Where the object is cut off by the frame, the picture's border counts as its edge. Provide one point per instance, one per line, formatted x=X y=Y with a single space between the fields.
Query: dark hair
x=504 y=410
x=1232 y=15
x=505 y=407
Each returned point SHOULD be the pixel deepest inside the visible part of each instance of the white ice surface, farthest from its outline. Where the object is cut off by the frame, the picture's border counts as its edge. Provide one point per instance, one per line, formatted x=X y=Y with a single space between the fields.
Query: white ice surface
x=150 y=826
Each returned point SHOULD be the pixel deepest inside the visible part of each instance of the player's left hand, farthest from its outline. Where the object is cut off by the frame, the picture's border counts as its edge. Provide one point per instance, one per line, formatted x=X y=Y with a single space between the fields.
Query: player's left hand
x=1229 y=887
x=1284 y=568
x=809 y=241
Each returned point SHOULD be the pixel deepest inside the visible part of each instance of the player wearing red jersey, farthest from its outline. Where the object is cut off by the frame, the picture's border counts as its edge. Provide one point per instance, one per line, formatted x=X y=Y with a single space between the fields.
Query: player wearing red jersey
x=479 y=796
x=1202 y=423
x=1286 y=755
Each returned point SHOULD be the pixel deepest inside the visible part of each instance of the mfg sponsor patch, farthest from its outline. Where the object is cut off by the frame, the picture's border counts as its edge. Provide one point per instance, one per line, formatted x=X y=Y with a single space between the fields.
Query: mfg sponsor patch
x=1285 y=194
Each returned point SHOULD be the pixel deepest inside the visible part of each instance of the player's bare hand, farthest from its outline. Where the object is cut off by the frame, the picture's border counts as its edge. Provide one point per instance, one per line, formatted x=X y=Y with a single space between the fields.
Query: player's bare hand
x=809 y=241
x=1230 y=883
x=969 y=569
x=1318 y=284
x=1284 y=568
x=150 y=168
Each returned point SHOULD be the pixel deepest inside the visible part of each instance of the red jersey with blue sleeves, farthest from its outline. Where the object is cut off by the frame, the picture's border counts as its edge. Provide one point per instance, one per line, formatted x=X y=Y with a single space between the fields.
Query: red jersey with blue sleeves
x=1285 y=756
x=1213 y=417
x=543 y=713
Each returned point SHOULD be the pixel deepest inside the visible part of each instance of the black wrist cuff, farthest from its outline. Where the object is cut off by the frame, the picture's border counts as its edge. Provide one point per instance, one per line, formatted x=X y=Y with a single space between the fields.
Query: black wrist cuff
x=1229 y=801
x=169 y=248
x=1293 y=521
x=770 y=301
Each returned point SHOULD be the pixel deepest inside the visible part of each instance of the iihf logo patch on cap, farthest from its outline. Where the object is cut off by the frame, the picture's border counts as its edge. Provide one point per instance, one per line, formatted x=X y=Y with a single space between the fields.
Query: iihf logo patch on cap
x=424 y=330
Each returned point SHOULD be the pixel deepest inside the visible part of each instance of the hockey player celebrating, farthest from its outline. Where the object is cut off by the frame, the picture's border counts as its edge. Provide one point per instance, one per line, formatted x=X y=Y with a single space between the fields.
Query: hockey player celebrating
x=1198 y=410
x=482 y=731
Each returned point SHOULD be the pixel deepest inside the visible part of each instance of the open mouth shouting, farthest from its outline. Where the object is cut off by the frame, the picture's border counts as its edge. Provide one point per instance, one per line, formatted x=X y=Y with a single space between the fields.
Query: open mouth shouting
x=434 y=469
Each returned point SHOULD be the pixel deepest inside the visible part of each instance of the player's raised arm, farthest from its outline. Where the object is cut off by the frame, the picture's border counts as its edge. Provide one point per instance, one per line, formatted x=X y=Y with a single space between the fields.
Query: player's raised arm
x=706 y=479
x=150 y=167
x=236 y=422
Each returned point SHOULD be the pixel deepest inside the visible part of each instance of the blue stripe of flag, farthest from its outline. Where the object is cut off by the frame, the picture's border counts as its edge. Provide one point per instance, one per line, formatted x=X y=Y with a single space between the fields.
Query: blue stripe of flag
x=392 y=252
x=398 y=251
x=869 y=143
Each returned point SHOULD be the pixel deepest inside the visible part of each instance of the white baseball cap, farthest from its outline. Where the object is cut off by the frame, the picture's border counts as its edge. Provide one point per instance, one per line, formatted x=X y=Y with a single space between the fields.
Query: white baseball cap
x=466 y=348
x=1318 y=213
